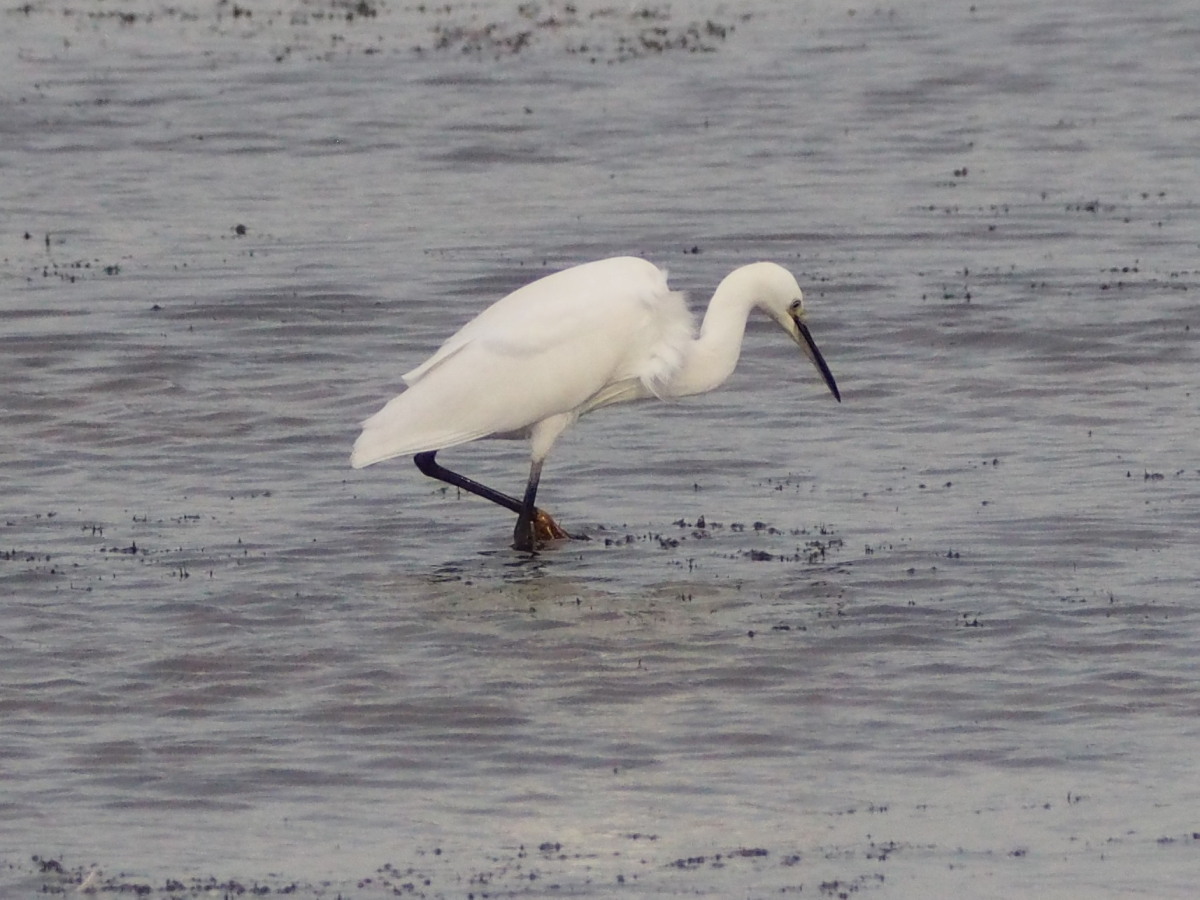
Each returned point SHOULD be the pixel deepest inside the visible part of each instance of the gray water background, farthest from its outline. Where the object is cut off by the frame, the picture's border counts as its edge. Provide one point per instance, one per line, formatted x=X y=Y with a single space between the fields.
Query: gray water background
x=956 y=655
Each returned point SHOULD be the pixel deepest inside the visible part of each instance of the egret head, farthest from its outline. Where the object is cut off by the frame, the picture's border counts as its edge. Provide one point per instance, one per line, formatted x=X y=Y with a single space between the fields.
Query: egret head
x=776 y=292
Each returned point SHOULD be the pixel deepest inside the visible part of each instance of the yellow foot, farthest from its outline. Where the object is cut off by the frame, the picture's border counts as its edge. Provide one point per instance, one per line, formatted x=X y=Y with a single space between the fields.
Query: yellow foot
x=546 y=529
x=536 y=534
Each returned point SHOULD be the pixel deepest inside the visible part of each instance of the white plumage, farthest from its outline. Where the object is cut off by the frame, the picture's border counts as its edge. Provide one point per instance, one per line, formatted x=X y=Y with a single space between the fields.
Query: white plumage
x=519 y=361
x=604 y=332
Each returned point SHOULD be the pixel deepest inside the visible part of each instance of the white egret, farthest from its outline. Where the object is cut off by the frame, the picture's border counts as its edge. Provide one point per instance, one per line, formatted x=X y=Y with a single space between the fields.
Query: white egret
x=593 y=335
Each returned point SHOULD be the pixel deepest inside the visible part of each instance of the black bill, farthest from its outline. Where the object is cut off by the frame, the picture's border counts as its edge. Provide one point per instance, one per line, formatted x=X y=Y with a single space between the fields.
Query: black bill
x=809 y=346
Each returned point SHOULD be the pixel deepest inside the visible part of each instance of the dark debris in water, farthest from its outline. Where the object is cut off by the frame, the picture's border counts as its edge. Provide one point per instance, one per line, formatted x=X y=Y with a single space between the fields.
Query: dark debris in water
x=551 y=868
x=57 y=879
x=819 y=543
x=599 y=31
x=65 y=552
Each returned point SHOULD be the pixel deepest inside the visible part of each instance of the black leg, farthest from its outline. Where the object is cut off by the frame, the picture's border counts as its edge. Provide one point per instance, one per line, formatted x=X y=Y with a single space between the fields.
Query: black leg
x=533 y=524
x=429 y=466
x=525 y=534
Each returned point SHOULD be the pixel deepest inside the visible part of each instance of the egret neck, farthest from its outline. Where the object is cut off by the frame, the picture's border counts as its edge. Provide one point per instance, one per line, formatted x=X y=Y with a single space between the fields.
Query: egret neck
x=712 y=357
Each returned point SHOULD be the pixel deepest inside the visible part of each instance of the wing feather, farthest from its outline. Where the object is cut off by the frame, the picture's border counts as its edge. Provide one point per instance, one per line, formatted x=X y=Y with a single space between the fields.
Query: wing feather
x=590 y=336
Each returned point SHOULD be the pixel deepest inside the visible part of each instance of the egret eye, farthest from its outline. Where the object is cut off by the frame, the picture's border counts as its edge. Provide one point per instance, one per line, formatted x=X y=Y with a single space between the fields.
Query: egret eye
x=797 y=306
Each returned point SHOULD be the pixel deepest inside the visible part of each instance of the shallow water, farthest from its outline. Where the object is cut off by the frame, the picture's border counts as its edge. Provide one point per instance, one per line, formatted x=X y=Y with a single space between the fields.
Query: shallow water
x=937 y=640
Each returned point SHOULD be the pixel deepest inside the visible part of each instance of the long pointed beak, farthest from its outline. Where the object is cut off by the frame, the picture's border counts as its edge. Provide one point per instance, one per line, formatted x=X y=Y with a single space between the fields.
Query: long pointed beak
x=804 y=338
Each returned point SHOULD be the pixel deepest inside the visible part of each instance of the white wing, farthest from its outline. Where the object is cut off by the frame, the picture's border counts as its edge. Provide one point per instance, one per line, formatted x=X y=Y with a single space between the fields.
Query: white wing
x=596 y=334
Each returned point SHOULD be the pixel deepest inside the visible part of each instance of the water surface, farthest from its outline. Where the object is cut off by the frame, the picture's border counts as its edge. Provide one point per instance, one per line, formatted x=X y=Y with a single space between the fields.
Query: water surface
x=937 y=640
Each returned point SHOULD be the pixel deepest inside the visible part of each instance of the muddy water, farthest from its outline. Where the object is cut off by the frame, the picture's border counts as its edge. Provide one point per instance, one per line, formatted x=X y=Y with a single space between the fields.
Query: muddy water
x=937 y=640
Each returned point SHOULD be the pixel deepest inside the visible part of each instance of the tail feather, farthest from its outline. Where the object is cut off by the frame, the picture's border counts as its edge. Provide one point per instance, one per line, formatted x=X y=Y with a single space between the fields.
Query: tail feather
x=391 y=433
